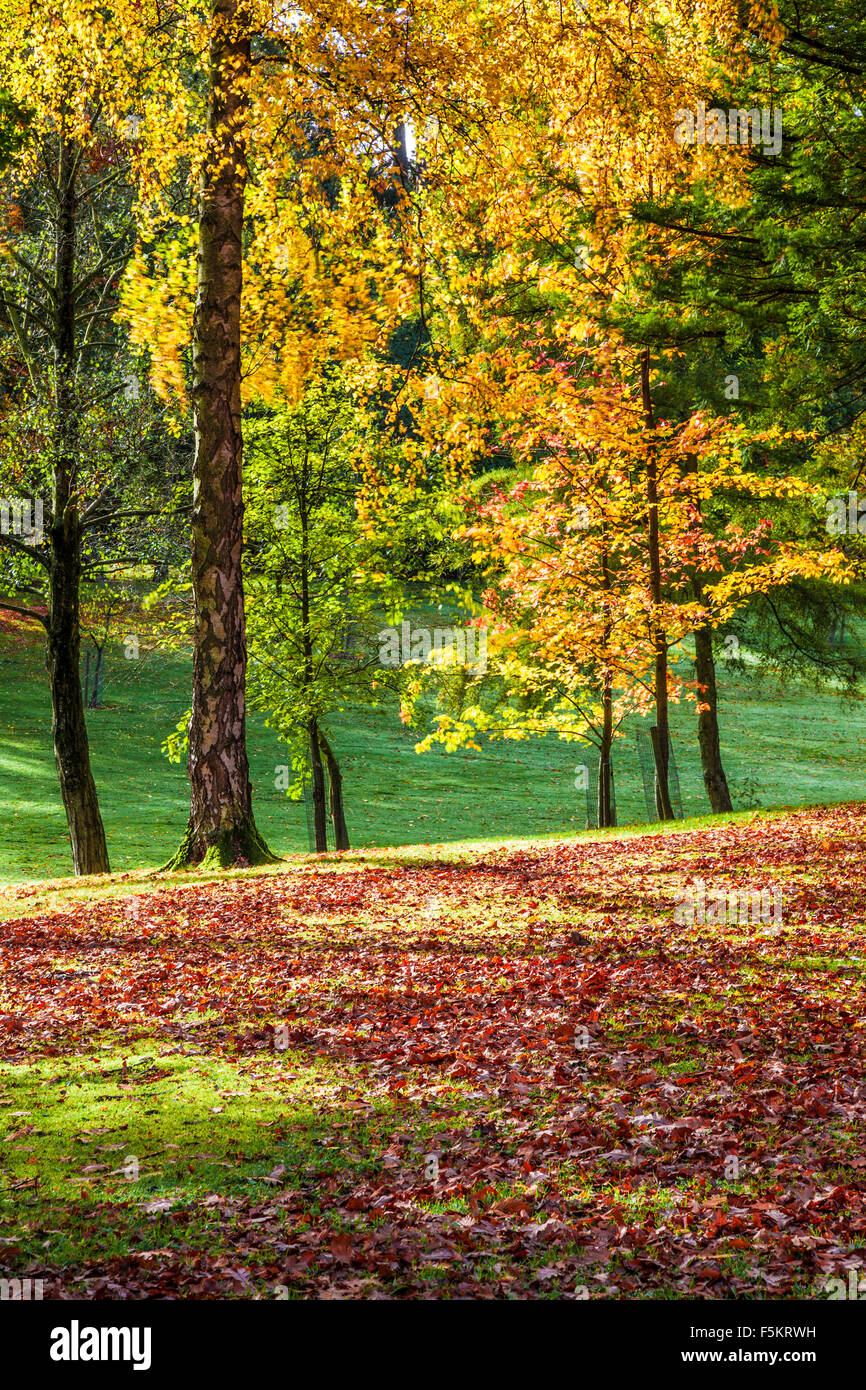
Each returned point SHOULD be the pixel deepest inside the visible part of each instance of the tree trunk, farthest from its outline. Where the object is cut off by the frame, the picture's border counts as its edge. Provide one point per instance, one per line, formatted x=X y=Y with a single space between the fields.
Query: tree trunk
x=664 y=806
x=605 y=814
x=660 y=644
x=98 y=676
x=709 y=741
x=68 y=726
x=335 y=783
x=63 y=650
x=708 y=722
x=221 y=828
x=320 y=811
x=605 y=799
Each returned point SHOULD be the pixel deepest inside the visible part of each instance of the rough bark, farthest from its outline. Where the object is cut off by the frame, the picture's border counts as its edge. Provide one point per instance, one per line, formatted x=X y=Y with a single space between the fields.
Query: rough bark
x=335 y=795
x=221 y=827
x=63 y=648
x=660 y=644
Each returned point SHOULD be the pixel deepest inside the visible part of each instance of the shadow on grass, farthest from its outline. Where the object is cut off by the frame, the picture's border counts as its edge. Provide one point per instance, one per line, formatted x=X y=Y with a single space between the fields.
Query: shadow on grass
x=181 y=1158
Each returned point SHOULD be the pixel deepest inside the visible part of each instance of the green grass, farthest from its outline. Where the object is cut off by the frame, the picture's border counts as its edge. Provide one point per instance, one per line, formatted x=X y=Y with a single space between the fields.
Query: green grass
x=191 y=1121
x=795 y=746
x=173 y=1127
x=140 y=1147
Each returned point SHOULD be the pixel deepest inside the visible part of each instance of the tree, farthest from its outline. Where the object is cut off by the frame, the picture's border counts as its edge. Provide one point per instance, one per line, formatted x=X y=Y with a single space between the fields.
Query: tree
x=300 y=270
x=313 y=597
x=221 y=826
x=762 y=291
x=545 y=257
x=67 y=248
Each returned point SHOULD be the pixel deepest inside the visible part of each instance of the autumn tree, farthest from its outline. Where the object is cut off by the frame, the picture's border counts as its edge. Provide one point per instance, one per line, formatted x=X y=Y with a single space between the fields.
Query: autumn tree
x=764 y=319
x=542 y=257
x=265 y=280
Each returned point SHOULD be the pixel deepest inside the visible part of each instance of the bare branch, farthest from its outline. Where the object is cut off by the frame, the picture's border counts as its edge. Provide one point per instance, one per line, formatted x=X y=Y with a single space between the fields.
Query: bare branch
x=25 y=612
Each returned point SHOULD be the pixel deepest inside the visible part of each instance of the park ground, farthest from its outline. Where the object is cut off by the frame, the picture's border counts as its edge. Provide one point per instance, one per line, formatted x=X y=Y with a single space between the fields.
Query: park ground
x=499 y=1071
x=783 y=745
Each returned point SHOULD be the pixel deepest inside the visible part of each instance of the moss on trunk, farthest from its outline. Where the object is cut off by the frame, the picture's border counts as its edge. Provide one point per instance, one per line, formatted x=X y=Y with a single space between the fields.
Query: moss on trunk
x=237 y=846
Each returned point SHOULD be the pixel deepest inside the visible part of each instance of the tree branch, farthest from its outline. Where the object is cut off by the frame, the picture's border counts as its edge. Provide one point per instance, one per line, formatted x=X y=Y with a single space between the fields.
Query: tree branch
x=29 y=550
x=25 y=612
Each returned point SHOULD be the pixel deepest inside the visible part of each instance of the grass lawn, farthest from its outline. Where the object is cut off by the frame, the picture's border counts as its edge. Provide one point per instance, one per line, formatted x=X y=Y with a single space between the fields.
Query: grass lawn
x=781 y=746
x=500 y=1072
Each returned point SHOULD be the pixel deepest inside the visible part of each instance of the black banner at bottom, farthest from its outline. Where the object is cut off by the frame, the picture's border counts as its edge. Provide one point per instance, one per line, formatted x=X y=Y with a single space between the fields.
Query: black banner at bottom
x=79 y=1342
